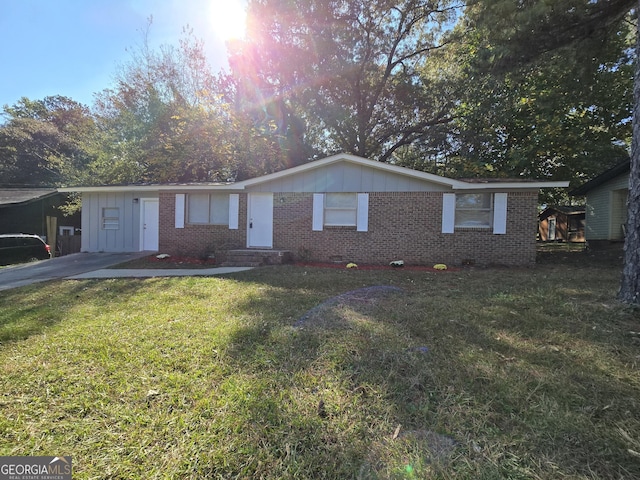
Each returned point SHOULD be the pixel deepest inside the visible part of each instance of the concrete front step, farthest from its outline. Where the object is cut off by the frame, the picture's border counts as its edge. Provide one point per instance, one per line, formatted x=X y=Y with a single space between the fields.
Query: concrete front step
x=256 y=257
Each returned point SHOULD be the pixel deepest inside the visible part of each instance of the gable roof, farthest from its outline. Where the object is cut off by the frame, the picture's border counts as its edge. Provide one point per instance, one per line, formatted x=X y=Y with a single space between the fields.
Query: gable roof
x=474 y=184
x=466 y=184
x=619 y=169
x=565 y=209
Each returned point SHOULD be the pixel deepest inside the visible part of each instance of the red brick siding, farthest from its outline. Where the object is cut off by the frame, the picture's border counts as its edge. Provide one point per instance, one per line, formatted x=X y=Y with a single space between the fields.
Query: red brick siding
x=402 y=225
x=198 y=240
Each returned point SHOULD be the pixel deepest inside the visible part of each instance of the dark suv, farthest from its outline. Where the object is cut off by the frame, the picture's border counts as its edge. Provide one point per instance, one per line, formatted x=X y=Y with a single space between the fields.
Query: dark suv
x=22 y=247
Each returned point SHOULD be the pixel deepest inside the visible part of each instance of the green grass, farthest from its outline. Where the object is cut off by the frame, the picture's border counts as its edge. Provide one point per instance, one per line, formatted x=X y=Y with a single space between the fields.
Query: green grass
x=527 y=373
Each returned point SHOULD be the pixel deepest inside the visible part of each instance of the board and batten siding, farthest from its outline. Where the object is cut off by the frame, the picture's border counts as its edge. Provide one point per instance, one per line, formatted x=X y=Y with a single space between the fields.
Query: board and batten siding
x=605 y=210
x=345 y=177
x=124 y=239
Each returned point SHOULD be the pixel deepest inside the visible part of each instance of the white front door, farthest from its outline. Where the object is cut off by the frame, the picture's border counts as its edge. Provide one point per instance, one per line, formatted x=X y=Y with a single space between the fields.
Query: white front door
x=149 y=224
x=260 y=220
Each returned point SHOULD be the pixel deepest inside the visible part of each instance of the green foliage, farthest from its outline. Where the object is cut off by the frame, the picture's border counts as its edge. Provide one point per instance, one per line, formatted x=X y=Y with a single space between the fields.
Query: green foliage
x=349 y=70
x=563 y=114
x=518 y=32
x=45 y=142
x=168 y=120
x=418 y=83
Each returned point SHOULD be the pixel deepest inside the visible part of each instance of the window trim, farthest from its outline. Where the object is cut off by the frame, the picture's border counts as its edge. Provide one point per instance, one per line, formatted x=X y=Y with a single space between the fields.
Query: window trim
x=110 y=222
x=490 y=210
x=362 y=213
x=351 y=210
x=210 y=197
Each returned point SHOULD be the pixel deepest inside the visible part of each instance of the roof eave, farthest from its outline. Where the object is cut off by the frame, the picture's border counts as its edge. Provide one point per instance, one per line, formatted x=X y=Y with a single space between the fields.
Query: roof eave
x=512 y=185
x=147 y=188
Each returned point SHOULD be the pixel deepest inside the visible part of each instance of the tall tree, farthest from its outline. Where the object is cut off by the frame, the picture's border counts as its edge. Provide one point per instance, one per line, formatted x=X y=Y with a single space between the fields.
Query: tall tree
x=526 y=30
x=167 y=120
x=350 y=70
x=45 y=142
x=562 y=115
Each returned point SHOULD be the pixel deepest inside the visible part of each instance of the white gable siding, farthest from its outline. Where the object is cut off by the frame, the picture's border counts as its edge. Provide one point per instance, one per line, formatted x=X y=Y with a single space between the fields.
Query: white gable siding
x=345 y=177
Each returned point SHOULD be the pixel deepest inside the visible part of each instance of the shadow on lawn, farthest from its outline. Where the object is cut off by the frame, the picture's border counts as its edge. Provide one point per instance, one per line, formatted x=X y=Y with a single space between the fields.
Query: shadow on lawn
x=528 y=376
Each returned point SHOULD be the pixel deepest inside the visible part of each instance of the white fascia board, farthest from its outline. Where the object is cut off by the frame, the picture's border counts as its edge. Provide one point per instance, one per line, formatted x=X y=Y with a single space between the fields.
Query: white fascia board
x=509 y=185
x=151 y=188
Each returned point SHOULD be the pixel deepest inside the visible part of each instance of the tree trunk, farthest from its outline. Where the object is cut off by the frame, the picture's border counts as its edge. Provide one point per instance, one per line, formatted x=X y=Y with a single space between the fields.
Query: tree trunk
x=630 y=285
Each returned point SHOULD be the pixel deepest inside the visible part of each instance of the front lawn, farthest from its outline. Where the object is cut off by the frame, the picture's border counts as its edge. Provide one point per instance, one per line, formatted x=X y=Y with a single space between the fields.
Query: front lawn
x=280 y=372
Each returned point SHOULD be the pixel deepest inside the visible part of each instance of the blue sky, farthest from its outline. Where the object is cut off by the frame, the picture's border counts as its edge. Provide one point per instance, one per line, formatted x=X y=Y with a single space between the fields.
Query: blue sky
x=74 y=47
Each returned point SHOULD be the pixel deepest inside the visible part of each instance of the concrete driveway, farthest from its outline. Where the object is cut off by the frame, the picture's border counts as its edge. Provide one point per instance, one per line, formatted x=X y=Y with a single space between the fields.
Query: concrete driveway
x=61 y=267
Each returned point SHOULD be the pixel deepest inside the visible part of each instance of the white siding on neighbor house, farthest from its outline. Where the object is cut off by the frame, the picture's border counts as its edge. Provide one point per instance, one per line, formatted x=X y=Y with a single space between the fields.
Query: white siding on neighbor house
x=345 y=177
x=618 y=213
x=603 y=210
x=126 y=238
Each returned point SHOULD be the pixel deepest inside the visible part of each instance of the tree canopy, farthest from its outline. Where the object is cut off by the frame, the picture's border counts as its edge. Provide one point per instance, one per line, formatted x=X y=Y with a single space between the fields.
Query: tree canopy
x=431 y=85
x=350 y=70
x=563 y=114
x=44 y=142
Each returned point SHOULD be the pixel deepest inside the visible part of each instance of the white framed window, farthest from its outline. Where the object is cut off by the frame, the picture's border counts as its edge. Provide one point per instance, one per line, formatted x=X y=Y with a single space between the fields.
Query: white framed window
x=110 y=218
x=208 y=209
x=340 y=209
x=474 y=210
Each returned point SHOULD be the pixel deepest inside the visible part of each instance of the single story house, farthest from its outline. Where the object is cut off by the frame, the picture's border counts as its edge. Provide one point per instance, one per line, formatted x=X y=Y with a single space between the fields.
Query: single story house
x=342 y=208
x=561 y=223
x=606 y=205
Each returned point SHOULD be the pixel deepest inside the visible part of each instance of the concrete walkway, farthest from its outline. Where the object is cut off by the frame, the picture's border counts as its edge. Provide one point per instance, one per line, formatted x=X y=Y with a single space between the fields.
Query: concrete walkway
x=93 y=265
x=157 y=272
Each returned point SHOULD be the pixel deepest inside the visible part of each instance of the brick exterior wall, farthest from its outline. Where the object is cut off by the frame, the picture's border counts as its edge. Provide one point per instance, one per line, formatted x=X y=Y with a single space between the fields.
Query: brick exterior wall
x=198 y=240
x=402 y=226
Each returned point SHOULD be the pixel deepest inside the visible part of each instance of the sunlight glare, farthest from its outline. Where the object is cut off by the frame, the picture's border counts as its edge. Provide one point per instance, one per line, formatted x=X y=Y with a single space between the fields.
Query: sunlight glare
x=228 y=18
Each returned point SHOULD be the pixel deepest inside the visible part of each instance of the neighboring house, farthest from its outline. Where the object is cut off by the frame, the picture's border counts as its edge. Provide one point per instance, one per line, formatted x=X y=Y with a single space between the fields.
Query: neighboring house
x=26 y=210
x=561 y=224
x=606 y=205
x=341 y=208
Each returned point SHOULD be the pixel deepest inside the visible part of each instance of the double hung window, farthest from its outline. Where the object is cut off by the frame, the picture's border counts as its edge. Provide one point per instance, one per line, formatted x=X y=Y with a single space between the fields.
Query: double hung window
x=474 y=210
x=208 y=209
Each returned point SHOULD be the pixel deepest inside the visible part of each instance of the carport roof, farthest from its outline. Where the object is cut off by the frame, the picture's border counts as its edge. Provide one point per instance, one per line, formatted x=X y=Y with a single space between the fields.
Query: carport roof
x=21 y=196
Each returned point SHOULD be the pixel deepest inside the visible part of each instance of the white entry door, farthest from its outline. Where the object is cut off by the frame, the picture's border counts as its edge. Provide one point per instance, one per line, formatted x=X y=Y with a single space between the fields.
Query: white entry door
x=260 y=220
x=150 y=224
